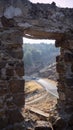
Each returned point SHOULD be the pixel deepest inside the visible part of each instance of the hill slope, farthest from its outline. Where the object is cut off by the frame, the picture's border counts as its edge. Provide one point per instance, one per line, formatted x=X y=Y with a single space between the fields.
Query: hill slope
x=38 y=56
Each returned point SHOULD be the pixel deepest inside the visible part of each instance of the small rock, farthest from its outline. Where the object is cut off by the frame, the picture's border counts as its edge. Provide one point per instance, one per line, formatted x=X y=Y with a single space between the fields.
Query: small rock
x=43 y=125
x=71 y=121
x=59 y=124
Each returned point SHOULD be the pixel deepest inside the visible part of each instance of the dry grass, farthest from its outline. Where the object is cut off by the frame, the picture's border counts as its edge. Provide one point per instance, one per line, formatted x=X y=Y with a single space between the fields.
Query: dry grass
x=46 y=103
x=32 y=86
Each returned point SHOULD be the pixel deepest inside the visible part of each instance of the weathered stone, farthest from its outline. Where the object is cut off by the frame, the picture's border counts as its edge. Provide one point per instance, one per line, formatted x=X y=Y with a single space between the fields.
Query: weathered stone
x=68 y=57
x=43 y=125
x=7 y=22
x=69 y=92
x=72 y=67
x=18 y=99
x=2 y=64
x=69 y=109
x=3 y=91
x=3 y=88
x=60 y=124
x=62 y=96
x=11 y=11
x=71 y=121
x=58 y=43
x=69 y=81
x=19 y=127
x=60 y=68
x=10 y=46
x=10 y=72
x=2 y=112
x=64 y=44
x=42 y=128
x=3 y=123
x=10 y=104
x=16 y=86
x=20 y=71
x=59 y=59
x=67 y=44
x=17 y=54
x=14 y=116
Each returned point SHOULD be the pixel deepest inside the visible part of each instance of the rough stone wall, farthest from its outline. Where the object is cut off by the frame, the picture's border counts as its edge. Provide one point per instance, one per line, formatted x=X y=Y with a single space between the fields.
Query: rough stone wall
x=65 y=84
x=20 y=18
x=11 y=81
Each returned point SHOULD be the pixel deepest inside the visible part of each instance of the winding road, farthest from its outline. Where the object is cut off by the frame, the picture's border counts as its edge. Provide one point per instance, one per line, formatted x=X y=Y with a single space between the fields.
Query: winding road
x=49 y=86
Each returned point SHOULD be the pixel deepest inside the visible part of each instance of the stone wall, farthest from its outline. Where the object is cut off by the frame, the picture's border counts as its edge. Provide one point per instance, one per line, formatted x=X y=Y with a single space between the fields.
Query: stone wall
x=11 y=81
x=22 y=18
x=65 y=84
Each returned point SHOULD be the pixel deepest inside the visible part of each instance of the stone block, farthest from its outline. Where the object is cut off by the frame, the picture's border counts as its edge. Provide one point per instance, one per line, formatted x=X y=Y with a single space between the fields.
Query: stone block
x=7 y=22
x=69 y=94
x=43 y=125
x=9 y=102
x=42 y=128
x=71 y=121
x=10 y=105
x=9 y=72
x=17 y=54
x=11 y=46
x=68 y=57
x=20 y=71
x=58 y=44
x=62 y=96
x=69 y=109
x=3 y=123
x=12 y=36
x=2 y=64
x=16 y=86
x=3 y=91
x=72 y=67
x=2 y=112
x=12 y=63
x=69 y=81
x=1 y=106
x=19 y=127
x=64 y=44
x=19 y=99
x=59 y=124
x=67 y=44
x=3 y=88
x=59 y=59
x=60 y=68
x=14 y=116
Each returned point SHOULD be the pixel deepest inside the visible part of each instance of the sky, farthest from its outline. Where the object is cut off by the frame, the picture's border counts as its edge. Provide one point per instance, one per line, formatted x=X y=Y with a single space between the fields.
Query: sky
x=31 y=41
x=60 y=3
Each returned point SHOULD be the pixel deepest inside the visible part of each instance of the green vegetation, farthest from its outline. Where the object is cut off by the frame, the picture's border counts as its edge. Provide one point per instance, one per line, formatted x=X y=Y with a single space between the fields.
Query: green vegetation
x=39 y=55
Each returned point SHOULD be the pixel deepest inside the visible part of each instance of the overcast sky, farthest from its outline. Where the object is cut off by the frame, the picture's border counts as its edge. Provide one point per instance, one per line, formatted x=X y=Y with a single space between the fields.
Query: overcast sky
x=60 y=3
x=26 y=40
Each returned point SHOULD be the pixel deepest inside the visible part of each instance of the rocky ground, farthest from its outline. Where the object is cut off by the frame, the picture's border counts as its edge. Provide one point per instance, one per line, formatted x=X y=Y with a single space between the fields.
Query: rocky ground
x=38 y=104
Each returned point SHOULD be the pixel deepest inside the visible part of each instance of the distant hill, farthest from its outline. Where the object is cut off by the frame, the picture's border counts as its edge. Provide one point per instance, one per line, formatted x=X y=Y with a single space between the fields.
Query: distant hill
x=38 y=56
x=49 y=72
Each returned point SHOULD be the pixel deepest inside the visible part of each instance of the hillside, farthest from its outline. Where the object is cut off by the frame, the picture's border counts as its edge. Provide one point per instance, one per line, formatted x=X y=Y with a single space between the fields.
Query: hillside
x=38 y=56
x=49 y=72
